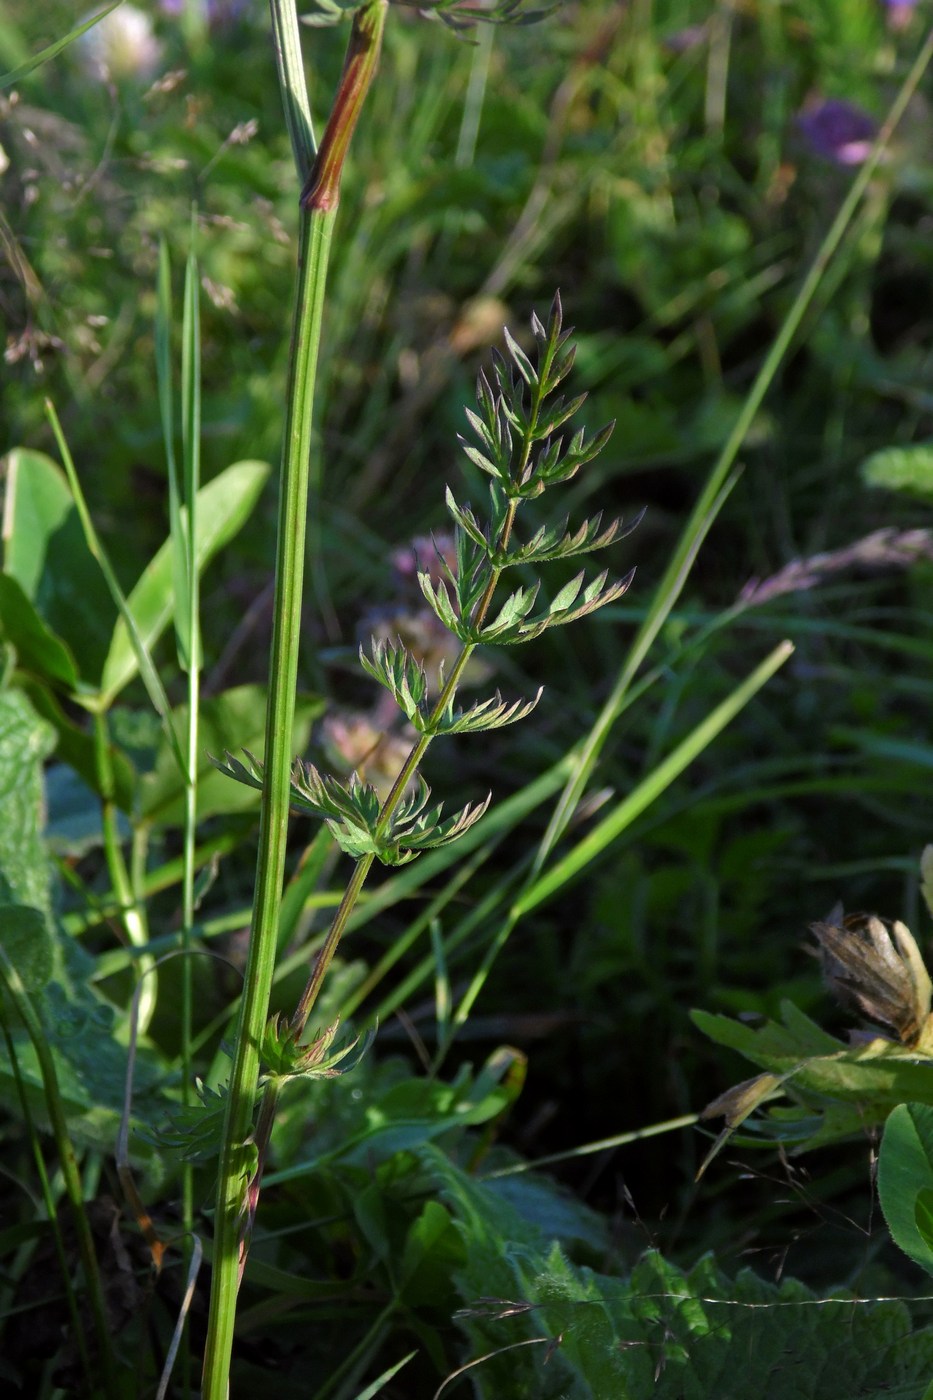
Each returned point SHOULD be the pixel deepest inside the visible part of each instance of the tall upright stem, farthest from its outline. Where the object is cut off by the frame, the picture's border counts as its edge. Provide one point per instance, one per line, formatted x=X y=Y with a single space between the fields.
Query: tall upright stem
x=236 y=1163
x=240 y=1163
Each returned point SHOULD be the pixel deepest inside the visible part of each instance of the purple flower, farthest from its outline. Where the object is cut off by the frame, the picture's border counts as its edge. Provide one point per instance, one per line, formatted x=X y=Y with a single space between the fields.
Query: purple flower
x=899 y=13
x=218 y=12
x=838 y=131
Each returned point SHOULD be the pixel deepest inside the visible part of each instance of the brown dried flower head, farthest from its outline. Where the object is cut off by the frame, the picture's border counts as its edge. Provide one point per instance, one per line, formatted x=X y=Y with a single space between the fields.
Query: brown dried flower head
x=874 y=967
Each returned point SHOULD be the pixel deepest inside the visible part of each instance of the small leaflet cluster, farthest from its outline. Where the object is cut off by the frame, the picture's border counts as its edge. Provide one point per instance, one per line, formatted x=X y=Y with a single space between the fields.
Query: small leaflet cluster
x=518 y=444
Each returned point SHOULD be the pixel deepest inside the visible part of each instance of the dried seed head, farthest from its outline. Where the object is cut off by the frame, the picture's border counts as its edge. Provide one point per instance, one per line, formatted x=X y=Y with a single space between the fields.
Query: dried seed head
x=874 y=966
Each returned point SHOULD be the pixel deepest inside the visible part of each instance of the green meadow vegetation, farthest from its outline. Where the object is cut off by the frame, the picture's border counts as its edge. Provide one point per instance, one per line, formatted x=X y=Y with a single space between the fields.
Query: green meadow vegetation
x=466 y=875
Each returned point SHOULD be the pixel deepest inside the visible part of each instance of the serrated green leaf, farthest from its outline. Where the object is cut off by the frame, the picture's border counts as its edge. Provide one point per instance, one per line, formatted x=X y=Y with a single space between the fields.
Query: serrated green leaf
x=923 y=1215
x=905 y=1169
x=547 y=1328
x=467 y=521
x=558 y=413
x=402 y=675
x=438 y=599
x=479 y=459
x=195 y=1130
x=494 y=713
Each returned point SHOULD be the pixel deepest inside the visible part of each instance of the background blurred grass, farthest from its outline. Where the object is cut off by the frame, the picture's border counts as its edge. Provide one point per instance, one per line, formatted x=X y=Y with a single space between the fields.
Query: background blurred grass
x=648 y=160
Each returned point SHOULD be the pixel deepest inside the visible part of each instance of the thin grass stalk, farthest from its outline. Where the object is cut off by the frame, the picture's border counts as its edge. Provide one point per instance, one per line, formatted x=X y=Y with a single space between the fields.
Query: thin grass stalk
x=713 y=495
x=609 y=1144
x=242 y=1152
x=189 y=647
x=147 y=671
x=236 y=1162
x=537 y=889
x=647 y=791
x=131 y=910
x=68 y=1162
x=366 y=1348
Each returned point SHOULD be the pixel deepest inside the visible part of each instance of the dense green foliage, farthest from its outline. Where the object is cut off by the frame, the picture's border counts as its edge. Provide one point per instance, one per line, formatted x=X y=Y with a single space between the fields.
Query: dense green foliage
x=664 y=165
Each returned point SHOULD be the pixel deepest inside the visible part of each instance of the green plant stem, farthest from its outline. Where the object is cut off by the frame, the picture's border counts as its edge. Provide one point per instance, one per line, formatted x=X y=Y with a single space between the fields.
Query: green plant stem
x=421 y=745
x=188 y=634
x=322 y=187
x=229 y=1241
x=242 y=1152
x=69 y=1168
x=131 y=911
x=406 y=773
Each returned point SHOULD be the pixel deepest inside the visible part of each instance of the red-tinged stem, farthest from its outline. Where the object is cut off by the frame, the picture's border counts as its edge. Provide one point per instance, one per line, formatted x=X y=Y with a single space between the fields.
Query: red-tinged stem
x=322 y=190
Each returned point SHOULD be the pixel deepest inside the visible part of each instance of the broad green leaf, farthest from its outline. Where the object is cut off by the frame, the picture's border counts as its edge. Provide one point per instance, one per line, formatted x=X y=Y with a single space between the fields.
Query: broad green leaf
x=905 y=1172
x=923 y=1215
x=432 y=1249
x=773 y=1046
x=25 y=741
x=224 y=506
x=46 y=553
x=234 y=720
x=38 y=650
x=76 y=748
x=405 y=1117
x=74 y=814
x=552 y=1330
x=90 y=1065
x=27 y=944
x=823 y=1075
x=557 y=1212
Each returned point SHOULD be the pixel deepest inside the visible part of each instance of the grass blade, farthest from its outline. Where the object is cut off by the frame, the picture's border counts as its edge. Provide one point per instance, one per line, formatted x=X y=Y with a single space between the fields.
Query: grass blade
x=53 y=50
x=147 y=670
x=651 y=787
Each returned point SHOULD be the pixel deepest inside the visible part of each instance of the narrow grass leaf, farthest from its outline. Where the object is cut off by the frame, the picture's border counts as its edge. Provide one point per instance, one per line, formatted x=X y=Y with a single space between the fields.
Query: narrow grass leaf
x=53 y=50
x=375 y=1386
x=186 y=604
x=177 y=523
x=147 y=670
x=652 y=786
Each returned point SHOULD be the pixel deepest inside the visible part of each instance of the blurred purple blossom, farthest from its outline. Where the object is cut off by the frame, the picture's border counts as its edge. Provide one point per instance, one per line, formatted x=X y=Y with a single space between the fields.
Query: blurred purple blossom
x=682 y=40
x=838 y=130
x=883 y=549
x=218 y=12
x=899 y=13
x=355 y=742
